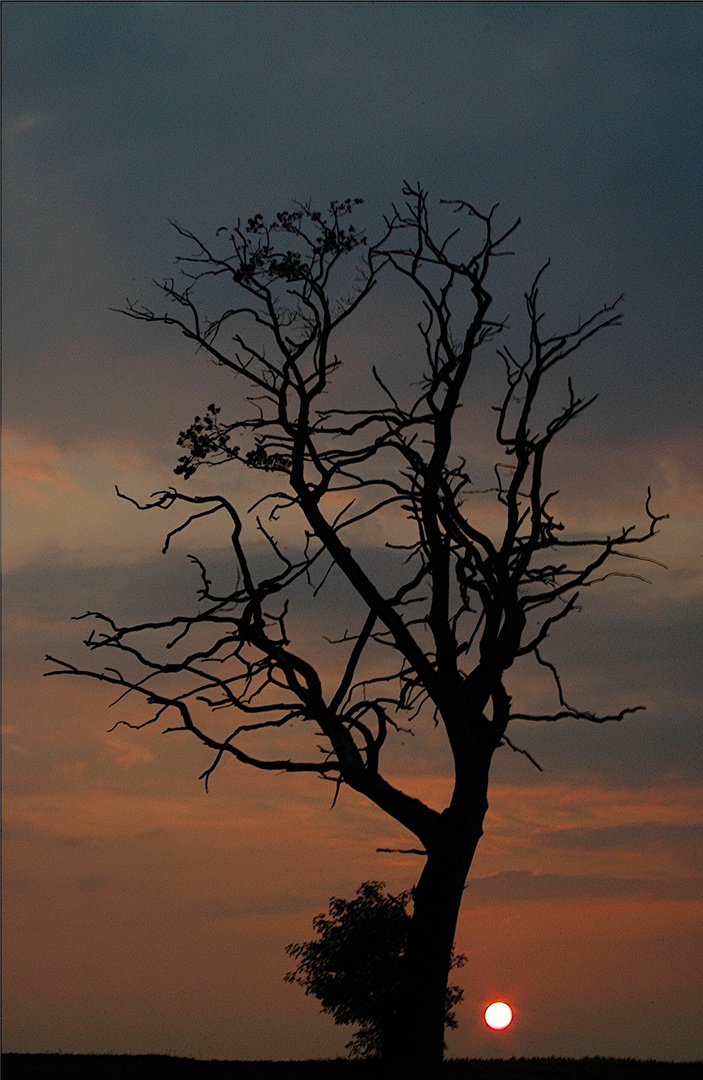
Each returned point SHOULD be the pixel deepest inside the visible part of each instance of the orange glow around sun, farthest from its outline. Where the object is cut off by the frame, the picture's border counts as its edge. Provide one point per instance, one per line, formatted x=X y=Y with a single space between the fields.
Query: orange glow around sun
x=498 y=1015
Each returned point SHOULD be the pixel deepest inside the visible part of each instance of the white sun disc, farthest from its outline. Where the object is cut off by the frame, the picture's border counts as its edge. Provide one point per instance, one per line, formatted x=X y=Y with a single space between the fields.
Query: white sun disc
x=498 y=1015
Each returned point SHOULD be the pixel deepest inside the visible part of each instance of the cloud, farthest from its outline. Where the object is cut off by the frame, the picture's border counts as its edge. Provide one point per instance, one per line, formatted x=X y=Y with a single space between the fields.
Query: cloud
x=63 y=500
x=33 y=470
x=23 y=121
x=602 y=480
x=126 y=754
x=523 y=886
x=556 y=807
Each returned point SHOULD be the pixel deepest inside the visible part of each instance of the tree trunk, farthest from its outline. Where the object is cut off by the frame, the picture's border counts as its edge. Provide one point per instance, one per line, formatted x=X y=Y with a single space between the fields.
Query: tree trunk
x=416 y=1041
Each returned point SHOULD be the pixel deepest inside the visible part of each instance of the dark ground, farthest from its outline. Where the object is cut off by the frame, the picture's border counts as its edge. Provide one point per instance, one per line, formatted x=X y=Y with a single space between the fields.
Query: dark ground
x=160 y=1067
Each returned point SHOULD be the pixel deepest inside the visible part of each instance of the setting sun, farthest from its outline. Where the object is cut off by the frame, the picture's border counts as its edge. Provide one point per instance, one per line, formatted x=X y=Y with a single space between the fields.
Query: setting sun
x=498 y=1015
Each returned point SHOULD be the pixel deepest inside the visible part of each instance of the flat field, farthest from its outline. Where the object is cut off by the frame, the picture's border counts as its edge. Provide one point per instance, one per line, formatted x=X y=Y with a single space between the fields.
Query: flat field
x=161 y=1067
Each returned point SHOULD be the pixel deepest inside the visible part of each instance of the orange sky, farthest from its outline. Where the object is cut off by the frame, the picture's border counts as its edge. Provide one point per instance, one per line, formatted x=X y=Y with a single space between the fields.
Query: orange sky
x=141 y=914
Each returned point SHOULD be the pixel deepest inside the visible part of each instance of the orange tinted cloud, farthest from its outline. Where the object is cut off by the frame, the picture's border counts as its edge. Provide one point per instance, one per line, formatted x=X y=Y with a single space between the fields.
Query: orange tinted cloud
x=33 y=471
x=58 y=500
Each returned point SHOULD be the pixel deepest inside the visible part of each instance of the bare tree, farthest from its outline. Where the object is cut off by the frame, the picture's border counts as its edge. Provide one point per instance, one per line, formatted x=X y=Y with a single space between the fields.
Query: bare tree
x=438 y=639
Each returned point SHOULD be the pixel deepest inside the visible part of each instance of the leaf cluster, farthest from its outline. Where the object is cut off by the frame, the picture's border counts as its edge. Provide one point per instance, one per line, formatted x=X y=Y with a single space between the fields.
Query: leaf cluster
x=207 y=438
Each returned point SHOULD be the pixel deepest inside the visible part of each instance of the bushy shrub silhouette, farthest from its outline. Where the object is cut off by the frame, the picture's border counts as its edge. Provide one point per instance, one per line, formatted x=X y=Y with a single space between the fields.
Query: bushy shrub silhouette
x=354 y=966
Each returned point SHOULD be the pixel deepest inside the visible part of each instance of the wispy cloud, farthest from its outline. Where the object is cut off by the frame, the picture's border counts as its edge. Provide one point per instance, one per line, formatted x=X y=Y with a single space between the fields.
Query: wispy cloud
x=23 y=121
x=522 y=886
x=63 y=500
x=33 y=471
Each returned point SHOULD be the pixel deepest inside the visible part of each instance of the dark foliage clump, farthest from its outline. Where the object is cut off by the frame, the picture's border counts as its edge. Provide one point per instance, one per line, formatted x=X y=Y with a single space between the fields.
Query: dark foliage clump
x=354 y=966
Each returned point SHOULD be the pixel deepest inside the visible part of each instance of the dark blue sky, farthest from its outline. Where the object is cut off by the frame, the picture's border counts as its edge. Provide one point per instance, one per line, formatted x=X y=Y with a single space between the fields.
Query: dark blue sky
x=584 y=119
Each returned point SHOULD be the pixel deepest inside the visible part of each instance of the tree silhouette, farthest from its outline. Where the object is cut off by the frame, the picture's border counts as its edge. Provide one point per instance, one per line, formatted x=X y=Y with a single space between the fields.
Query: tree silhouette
x=354 y=966
x=436 y=636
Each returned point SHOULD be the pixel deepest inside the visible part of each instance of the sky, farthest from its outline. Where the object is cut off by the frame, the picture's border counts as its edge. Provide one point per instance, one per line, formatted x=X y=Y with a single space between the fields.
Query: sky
x=142 y=915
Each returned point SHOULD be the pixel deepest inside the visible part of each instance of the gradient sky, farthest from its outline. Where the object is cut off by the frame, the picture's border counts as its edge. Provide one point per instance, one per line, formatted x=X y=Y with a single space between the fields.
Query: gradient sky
x=141 y=915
